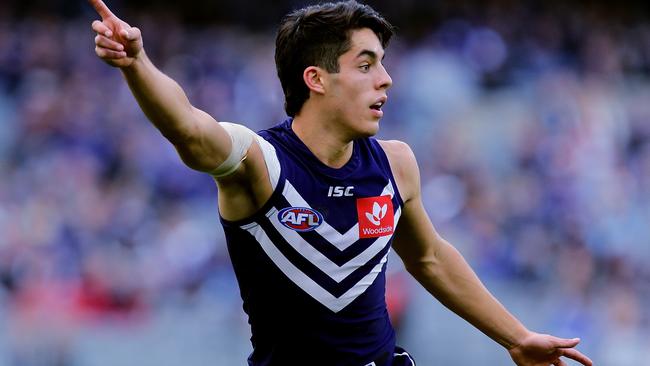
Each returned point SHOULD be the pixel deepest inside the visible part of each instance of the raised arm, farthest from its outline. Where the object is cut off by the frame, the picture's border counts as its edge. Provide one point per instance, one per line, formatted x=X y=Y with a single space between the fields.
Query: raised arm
x=224 y=150
x=441 y=269
x=202 y=143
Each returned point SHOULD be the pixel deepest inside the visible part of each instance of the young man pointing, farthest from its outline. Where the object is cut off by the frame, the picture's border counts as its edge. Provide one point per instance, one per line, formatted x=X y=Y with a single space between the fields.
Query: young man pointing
x=312 y=206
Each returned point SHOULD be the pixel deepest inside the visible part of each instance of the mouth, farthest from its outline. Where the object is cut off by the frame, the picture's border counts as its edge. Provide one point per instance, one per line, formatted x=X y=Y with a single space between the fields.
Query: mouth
x=379 y=103
x=376 y=107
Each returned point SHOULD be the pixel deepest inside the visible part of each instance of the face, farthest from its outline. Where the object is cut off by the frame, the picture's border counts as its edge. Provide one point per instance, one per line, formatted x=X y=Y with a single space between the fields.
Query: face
x=356 y=94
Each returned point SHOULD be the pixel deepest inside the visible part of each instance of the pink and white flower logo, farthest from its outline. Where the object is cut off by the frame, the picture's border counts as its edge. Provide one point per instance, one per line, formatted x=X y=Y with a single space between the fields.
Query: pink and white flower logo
x=375 y=216
x=378 y=213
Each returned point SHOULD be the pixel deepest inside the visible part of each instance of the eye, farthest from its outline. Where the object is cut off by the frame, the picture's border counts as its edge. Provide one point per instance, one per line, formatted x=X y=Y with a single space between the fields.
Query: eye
x=365 y=67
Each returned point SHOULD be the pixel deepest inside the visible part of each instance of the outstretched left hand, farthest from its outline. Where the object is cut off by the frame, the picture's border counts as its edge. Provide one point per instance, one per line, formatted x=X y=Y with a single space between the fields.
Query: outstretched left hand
x=545 y=350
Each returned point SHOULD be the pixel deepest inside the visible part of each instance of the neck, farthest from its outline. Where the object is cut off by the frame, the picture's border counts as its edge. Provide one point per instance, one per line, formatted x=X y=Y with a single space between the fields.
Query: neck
x=323 y=140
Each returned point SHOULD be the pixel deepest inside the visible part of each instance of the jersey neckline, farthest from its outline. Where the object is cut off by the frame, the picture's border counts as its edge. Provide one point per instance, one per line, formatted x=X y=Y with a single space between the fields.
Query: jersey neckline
x=343 y=172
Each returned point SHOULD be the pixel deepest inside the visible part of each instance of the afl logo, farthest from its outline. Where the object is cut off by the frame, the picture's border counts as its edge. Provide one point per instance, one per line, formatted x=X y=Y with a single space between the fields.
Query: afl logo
x=300 y=218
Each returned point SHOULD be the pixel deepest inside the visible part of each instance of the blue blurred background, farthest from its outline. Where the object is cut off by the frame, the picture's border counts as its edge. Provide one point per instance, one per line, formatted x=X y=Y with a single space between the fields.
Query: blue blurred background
x=530 y=121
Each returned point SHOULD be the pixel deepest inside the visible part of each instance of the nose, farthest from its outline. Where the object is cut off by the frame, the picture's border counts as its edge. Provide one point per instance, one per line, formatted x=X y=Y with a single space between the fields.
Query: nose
x=384 y=80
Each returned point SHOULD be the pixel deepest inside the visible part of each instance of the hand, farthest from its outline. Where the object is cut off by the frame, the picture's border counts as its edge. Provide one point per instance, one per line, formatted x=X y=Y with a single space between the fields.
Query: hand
x=545 y=350
x=117 y=43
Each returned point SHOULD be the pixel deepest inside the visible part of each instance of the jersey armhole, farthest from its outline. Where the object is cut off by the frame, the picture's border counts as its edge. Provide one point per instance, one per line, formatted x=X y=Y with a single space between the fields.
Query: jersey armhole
x=271 y=160
x=383 y=157
x=273 y=166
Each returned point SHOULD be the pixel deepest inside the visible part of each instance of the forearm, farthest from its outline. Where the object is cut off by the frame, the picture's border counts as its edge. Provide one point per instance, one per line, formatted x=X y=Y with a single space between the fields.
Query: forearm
x=200 y=141
x=448 y=277
x=441 y=269
x=161 y=99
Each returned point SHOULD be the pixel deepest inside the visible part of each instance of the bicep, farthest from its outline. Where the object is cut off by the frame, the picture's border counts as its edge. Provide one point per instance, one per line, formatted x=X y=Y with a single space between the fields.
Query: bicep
x=416 y=240
x=207 y=145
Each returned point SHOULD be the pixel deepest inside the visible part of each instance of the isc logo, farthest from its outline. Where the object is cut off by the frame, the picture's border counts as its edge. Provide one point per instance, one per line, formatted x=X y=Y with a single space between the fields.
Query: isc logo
x=338 y=191
x=300 y=218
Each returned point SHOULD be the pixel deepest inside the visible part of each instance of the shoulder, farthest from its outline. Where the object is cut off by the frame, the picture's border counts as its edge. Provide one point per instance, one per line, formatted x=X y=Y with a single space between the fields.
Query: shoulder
x=396 y=149
x=404 y=166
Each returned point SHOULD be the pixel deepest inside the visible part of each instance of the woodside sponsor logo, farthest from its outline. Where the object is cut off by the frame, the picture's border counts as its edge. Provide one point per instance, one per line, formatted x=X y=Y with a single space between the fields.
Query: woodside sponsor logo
x=375 y=216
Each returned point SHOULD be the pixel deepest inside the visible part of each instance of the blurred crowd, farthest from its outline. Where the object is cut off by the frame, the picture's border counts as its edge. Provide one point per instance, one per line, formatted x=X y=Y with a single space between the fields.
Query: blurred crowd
x=531 y=126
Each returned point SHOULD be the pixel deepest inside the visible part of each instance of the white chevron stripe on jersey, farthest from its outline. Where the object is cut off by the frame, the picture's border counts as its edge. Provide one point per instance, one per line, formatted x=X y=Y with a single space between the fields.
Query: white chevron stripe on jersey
x=336 y=272
x=340 y=241
x=305 y=282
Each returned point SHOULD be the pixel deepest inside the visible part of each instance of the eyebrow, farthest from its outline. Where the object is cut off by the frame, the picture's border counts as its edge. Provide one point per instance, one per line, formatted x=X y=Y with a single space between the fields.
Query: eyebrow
x=369 y=53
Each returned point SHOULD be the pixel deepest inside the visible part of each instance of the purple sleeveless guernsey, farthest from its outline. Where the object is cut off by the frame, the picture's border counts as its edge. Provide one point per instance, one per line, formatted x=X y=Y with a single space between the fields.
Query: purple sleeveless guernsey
x=311 y=263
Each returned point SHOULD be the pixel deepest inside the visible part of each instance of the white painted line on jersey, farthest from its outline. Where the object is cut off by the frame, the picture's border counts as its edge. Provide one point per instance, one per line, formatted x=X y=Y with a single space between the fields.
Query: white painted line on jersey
x=309 y=285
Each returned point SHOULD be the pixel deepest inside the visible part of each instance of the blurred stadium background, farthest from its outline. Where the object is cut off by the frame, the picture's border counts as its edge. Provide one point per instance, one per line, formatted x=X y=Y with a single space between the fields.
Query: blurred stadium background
x=530 y=121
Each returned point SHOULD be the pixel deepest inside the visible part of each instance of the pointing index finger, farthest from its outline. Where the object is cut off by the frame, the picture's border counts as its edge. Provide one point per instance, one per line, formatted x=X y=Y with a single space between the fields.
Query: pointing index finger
x=101 y=8
x=565 y=343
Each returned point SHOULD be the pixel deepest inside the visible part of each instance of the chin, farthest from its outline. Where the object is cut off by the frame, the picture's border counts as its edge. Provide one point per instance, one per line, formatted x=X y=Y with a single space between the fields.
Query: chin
x=363 y=127
x=370 y=130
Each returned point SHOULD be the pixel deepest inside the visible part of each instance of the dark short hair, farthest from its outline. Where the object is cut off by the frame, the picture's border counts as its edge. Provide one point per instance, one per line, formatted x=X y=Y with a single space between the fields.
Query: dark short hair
x=318 y=35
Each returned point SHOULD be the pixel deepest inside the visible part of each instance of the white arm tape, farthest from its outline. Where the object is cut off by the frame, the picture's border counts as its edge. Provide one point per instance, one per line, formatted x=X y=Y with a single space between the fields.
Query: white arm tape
x=241 y=138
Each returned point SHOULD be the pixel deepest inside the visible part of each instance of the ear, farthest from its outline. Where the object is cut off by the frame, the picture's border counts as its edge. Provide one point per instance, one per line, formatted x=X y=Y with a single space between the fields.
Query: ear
x=313 y=78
